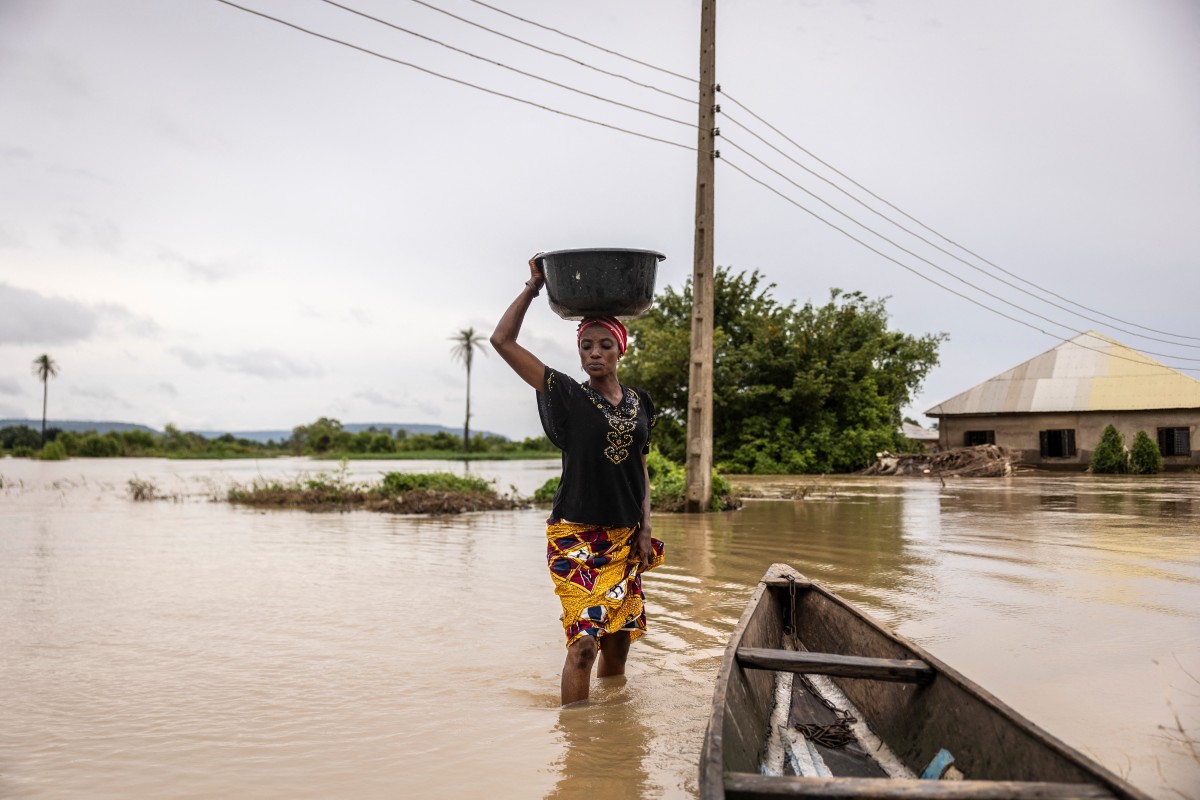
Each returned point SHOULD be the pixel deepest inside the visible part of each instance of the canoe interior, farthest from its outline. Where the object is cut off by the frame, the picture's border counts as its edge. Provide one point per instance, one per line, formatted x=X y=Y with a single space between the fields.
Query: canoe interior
x=989 y=741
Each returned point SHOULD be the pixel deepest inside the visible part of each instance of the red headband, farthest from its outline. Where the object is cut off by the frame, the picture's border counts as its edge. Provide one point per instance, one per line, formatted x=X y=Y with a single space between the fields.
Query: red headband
x=612 y=324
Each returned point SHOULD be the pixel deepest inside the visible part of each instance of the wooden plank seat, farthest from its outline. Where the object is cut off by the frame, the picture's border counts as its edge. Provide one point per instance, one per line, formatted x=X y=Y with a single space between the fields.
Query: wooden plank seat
x=749 y=786
x=879 y=669
x=784 y=583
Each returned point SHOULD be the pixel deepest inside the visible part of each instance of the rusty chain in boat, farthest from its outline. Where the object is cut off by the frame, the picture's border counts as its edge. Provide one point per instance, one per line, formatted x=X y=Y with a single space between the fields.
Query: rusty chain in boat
x=837 y=733
x=834 y=735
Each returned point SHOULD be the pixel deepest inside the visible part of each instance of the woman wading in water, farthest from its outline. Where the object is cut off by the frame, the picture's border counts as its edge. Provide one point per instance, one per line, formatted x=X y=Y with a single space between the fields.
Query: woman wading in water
x=598 y=539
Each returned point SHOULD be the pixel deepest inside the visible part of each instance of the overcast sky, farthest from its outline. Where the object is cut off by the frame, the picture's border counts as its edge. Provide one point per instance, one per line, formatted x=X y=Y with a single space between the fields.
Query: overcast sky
x=213 y=220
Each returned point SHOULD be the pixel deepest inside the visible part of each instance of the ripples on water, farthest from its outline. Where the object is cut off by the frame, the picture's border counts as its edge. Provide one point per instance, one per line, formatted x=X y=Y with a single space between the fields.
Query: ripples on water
x=192 y=649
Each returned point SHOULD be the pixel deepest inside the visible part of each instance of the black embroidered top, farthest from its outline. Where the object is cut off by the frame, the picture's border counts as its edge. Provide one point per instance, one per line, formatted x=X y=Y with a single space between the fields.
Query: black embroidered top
x=602 y=478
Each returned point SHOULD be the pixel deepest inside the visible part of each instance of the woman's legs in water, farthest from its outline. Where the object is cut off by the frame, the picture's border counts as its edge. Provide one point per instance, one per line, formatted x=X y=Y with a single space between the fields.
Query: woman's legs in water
x=577 y=670
x=614 y=648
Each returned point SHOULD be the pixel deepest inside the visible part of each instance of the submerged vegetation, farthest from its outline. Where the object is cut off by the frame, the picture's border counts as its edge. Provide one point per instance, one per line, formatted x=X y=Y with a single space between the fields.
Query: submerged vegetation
x=397 y=493
x=440 y=492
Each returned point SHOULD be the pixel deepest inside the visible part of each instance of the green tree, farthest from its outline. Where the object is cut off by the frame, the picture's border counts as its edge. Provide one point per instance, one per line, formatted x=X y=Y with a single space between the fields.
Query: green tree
x=1144 y=457
x=137 y=442
x=382 y=443
x=16 y=436
x=320 y=437
x=173 y=439
x=1110 y=455
x=466 y=342
x=95 y=445
x=45 y=368
x=795 y=389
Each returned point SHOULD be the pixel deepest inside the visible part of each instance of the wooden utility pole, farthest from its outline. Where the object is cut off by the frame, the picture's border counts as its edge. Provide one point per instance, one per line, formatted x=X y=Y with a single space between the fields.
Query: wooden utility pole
x=700 y=374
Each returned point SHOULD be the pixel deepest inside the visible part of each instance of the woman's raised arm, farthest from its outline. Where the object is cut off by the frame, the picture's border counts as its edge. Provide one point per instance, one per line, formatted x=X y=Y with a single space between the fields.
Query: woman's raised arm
x=504 y=338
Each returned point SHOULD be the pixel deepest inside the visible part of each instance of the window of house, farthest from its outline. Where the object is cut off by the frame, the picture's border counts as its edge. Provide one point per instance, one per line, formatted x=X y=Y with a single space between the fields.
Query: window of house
x=1057 y=443
x=972 y=438
x=1174 y=441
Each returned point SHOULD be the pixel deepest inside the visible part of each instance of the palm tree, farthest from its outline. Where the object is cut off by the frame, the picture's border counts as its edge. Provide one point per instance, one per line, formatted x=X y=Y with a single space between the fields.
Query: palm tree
x=45 y=368
x=465 y=343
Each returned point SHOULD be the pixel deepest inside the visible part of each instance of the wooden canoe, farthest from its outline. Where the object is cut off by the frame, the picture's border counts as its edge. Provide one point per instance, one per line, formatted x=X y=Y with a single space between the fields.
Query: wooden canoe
x=826 y=702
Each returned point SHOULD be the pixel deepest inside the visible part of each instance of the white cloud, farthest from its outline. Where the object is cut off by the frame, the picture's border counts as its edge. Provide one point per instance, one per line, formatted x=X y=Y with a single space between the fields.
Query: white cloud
x=27 y=317
x=268 y=364
x=85 y=233
x=260 y=363
x=30 y=318
x=190 y=357
x=101 y=396
x=9 y=386
x=211 y=271
x=376 y=397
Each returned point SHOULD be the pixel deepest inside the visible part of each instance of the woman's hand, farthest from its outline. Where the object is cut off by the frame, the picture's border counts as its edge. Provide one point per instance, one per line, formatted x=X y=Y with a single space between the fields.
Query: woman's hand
x=642 y=550
x=537 y=278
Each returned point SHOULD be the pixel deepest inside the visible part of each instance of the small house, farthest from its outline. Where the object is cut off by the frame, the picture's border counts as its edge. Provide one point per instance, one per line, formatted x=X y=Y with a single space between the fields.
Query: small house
x=1055 y=406
x=923 y=439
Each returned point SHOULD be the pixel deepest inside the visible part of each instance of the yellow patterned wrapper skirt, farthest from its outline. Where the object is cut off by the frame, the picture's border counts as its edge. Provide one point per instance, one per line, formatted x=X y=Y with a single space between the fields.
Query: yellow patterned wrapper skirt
x=597 y=580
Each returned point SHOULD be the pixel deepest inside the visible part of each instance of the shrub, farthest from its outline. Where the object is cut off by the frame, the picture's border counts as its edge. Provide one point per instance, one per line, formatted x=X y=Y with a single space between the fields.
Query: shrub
x=54 y=451
x=96 y=446
x=1144 y=458
x=1110 y=455
x=399 y=482
x=545 y=492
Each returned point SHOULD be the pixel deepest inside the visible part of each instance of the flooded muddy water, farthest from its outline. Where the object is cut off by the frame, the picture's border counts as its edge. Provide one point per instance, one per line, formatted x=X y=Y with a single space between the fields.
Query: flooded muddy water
x=189 y=648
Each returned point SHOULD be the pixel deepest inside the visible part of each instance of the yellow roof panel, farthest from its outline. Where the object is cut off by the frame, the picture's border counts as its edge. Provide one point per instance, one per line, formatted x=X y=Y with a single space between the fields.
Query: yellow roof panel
x=1088 y=373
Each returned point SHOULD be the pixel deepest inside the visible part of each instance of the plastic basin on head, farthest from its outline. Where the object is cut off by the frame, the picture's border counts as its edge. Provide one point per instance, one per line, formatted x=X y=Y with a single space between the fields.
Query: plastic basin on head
x=596 y=282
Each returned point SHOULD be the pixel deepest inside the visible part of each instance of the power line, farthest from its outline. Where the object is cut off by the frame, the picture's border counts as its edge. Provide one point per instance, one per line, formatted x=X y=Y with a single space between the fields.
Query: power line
x=733 y=166
x=965 y=249
x=585 y=42
x=452 y=79
x=905 y=250
x=555 y=53
x=502 y=65
x=925 y=277
x=937 y=247
x=941 y=236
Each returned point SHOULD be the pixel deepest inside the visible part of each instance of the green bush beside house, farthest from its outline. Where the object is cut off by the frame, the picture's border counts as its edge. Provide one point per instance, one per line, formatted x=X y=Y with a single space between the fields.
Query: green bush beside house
x=1144 y=457
x=1110 y=456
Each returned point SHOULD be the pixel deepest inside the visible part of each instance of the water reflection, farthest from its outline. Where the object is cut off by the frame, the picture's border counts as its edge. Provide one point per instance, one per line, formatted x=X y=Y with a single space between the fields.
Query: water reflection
x=153 y=646
x=605 y=747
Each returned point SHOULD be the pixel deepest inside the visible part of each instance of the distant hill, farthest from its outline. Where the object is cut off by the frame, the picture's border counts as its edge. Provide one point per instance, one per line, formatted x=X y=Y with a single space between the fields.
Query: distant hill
x=78 y=426
x=254 y=436
x=350 y=427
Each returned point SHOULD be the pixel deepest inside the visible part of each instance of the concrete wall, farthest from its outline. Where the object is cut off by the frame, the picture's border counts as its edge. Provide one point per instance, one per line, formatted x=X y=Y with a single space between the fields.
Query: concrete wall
x=1020 y=432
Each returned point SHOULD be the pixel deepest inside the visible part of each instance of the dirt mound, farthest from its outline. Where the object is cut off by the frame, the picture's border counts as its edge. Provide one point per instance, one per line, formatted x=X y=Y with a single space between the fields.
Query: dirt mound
x=981 y=461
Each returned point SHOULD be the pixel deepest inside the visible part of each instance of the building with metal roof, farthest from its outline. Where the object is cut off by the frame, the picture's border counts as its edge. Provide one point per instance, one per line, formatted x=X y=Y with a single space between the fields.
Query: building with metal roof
x=925 y=438
x=1054 y=407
